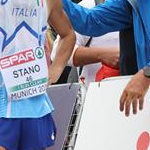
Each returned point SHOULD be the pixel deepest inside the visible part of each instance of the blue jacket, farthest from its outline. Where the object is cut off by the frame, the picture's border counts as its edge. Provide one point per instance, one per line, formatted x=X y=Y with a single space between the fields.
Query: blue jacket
x=114 y=15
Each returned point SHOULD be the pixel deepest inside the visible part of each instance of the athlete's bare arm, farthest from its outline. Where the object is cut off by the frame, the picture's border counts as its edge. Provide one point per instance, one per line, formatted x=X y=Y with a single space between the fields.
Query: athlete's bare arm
x=59 y=21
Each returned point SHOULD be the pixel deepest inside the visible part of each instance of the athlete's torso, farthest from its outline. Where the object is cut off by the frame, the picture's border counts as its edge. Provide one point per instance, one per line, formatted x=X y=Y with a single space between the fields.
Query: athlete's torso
x=22 y=26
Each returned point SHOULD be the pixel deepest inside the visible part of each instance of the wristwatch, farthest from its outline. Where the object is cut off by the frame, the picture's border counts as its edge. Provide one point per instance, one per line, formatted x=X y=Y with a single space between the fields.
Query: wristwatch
x=146 y=71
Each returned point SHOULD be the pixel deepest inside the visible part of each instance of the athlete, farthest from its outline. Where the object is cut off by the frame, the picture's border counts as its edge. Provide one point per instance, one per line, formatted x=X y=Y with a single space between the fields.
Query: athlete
x=25 y=109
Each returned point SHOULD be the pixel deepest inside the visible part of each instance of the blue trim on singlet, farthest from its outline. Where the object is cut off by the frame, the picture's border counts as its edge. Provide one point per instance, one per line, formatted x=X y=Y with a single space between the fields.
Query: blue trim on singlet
x=18 y=28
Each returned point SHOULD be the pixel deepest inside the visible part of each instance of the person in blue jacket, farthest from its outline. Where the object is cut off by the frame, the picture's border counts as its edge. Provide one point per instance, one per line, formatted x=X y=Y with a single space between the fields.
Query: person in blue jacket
x=116 y=15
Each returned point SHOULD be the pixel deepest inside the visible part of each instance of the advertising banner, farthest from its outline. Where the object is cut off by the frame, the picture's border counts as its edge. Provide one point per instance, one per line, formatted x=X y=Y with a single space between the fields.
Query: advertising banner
x=104 y=127
x=63 y=97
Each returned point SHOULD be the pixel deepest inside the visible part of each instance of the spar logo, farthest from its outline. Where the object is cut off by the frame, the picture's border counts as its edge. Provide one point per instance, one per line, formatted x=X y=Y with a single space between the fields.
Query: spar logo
x=17 y=59
x=39 y=52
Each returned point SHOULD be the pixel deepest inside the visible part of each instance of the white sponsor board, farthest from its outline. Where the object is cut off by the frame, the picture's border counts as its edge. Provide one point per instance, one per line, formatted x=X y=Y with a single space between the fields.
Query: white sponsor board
x=104 y=127
x=25 y=73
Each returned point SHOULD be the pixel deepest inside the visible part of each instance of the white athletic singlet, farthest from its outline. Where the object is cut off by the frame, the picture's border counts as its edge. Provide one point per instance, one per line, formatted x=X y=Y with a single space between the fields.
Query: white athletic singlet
x=22 y=26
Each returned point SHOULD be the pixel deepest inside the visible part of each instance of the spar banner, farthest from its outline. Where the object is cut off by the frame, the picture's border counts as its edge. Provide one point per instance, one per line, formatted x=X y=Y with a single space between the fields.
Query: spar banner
x=104 y=127
x=25 y=73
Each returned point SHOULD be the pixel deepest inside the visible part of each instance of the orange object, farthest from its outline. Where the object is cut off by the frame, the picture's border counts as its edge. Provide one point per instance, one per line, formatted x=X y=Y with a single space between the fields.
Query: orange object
x=105 y=72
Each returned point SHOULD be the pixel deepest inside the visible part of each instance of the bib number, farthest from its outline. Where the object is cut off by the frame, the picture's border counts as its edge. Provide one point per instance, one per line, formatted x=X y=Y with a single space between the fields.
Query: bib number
x=25 y=73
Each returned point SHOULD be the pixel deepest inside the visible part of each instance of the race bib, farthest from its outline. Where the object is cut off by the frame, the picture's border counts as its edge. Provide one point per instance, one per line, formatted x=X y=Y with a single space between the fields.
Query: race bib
x=25 y=73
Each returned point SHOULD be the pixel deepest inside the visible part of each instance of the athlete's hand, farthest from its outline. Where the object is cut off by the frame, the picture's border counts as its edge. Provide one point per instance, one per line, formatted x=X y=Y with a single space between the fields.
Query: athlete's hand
x=133 y=94
x=54 y=73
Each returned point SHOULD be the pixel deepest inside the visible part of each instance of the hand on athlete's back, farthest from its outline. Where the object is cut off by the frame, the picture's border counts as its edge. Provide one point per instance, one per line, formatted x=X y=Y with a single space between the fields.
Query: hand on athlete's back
x=111 y=58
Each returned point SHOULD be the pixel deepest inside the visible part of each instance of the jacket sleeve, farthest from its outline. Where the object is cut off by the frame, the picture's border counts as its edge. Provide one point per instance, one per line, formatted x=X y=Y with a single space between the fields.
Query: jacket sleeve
x=113 y=15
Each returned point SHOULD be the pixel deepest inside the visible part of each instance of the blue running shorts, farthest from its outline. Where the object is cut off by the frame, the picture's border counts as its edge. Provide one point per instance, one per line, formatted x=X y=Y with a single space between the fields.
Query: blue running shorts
x=27 y=133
